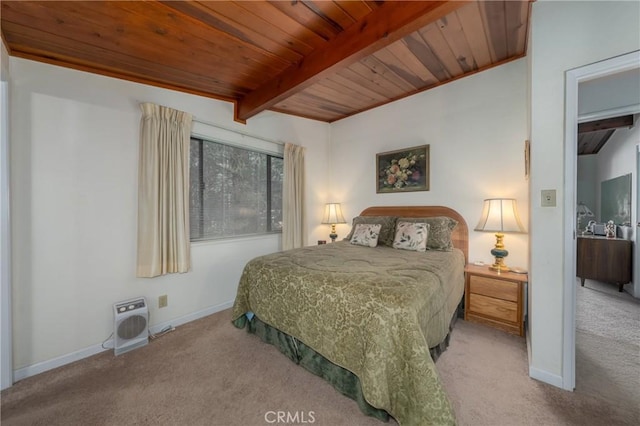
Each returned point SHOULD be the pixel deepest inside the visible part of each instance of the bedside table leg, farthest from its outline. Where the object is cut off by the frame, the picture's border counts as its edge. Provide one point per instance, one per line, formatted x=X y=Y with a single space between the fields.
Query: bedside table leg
x=582 y=282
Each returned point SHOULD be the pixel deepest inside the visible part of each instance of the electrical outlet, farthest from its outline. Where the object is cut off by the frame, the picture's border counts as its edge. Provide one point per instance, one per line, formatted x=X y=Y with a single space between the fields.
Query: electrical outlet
x=548 y=198
x=163 y=301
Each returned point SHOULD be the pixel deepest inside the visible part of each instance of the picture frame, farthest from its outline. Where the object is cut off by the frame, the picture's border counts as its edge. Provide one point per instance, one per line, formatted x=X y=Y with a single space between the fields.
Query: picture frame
x=527 y=159
x=403 y=170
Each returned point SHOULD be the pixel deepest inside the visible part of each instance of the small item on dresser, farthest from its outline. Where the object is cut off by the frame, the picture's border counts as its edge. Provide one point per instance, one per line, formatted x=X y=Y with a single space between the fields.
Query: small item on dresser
x=610 y=229
x=519 y=270
x=478 y=263
x=625 y=231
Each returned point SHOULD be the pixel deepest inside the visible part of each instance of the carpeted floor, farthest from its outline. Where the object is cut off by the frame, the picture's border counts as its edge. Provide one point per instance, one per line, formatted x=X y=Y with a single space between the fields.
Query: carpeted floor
x=608 y=344
x=209 y=373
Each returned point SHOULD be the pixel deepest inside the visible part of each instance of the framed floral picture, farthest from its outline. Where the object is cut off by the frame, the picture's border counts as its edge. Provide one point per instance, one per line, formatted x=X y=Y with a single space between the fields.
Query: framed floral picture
x=403 y=170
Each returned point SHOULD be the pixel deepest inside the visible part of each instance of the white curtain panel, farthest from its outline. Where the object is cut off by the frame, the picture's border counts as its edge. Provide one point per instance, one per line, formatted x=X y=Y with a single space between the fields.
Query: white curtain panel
x=294 y=229
x=163 y=191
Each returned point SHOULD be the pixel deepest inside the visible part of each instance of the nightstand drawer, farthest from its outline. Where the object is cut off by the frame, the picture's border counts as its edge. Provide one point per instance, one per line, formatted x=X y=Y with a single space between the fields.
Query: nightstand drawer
x=495 y=308
x=492 y=287
x=496 y=300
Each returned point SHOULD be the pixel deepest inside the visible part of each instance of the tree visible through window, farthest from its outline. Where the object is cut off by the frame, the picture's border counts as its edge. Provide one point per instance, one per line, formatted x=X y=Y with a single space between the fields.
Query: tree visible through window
x=234 y=191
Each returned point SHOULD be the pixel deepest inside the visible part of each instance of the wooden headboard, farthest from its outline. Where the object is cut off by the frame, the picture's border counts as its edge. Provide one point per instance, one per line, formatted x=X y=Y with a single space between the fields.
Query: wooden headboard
x=459 y=235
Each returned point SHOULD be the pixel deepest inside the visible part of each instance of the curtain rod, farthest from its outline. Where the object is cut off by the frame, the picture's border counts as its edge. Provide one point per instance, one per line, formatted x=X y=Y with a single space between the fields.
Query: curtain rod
x=209 y=123
x=229 y=129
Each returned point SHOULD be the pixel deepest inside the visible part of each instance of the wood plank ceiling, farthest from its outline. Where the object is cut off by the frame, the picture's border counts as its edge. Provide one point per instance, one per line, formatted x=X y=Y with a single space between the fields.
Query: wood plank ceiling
x=592 y=135
x=324 y=60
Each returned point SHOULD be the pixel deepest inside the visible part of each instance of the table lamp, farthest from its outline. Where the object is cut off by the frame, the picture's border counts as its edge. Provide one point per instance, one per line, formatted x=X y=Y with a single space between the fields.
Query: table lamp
x=499 y=215
x=333 y=215
x=582 y=211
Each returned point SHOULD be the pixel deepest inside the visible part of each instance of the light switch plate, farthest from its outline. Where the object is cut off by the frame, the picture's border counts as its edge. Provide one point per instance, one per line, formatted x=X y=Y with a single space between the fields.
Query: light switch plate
x=548 y=198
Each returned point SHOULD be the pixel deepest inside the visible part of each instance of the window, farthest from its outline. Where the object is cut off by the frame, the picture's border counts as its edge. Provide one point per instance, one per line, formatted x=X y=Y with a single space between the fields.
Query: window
x=234 y=191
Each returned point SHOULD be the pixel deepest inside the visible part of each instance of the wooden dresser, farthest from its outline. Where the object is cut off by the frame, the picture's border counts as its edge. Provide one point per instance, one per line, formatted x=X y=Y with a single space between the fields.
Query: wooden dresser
x=495 y=299
x=604 y=259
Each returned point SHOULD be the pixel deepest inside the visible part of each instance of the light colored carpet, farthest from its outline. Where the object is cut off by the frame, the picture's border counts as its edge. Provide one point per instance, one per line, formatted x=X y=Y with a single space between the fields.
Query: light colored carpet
x=608 y=345
x=603 y=311
x=485 y=373
x=208 y=372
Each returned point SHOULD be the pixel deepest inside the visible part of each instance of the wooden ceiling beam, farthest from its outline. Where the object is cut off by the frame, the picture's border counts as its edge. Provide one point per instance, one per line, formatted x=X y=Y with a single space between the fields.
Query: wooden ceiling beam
x=385 y=25
x=608 y=123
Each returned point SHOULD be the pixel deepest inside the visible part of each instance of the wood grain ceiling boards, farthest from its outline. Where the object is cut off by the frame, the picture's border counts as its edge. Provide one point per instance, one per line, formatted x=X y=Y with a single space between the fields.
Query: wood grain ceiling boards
x=593 y=135
x=324 y=60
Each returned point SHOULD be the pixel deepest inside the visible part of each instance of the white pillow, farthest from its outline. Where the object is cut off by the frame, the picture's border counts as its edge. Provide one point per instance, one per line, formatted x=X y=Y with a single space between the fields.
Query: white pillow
x=366 y=235
x=411 y=236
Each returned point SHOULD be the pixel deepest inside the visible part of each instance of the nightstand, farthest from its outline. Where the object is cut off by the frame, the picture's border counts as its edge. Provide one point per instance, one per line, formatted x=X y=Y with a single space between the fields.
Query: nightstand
x=495 y=299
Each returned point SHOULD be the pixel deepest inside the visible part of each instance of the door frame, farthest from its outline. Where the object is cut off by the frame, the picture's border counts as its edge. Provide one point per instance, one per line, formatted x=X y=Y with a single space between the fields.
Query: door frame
x=6 y=358
x=635 y=291
x=573 y=78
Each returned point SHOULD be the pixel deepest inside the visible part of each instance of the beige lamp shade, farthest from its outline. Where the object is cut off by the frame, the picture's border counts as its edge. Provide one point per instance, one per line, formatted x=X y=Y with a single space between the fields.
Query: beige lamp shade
x=333 y=215
x=499 y=215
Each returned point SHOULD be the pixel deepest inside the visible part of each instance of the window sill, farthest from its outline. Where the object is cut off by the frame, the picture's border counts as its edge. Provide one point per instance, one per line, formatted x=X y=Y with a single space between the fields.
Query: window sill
x=232 y=240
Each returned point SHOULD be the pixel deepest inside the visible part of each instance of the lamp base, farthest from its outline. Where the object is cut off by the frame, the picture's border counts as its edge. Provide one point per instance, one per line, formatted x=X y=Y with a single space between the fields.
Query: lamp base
x=499 y=267
x=499 y=252
x=333 y=234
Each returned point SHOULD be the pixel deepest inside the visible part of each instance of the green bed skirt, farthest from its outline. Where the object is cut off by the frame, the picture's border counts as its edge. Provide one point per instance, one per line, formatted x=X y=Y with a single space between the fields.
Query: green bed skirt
x=342 y=380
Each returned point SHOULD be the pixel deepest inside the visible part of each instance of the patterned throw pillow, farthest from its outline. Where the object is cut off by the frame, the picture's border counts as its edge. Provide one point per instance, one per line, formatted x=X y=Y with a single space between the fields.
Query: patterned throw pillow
x=387 y=231
x=440 y=228
x=411 y=236
x=366 y=235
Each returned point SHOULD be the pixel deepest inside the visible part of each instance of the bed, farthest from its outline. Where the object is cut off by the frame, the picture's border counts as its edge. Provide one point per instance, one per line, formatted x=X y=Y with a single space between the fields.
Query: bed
x=370 y=320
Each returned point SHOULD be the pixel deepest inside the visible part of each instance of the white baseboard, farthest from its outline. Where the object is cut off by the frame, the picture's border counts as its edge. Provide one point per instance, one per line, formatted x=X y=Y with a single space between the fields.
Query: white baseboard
x=191 y=317
x=41 y=367
x=546 y=377
x=536 y=373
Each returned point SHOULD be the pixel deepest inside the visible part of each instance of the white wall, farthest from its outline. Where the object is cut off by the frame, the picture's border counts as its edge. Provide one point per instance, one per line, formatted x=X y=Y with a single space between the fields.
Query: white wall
x=617 y=158
x=613 y=92
x=74 y=142
x=564 y=35
x=476 y=128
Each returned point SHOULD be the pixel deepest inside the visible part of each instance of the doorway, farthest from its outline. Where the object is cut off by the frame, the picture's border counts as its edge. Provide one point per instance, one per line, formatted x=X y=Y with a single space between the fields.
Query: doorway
x=574 y=77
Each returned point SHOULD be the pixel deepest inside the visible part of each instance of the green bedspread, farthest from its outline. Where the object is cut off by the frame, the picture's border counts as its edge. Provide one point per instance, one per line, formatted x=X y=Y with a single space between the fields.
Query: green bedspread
x=373 y=311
